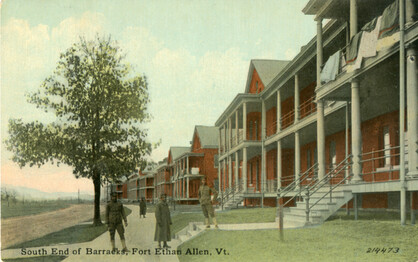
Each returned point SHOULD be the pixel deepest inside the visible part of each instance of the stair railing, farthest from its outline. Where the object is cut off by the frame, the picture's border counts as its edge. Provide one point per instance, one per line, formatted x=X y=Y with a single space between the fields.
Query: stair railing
x=302 y=178
x=327 y=181
x=230 y=193
x=289 y=188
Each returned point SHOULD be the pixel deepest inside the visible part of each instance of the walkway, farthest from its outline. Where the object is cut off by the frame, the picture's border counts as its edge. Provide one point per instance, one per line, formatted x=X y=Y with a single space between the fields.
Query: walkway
x=139 y=238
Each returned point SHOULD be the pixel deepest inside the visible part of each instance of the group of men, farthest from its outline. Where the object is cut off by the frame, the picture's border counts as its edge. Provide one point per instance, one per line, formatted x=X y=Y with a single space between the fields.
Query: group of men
x=115 y=213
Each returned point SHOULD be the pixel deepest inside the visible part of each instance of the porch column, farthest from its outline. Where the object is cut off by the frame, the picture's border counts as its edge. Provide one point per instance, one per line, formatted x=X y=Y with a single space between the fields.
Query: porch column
x=279 y=112
x=244 y=121
x=347 y=117
x=229 y=133
x=297 y=158
x=263 y=149
x=353 y=18
x=236 y=171
x=263 y=120
x=279 y=164
x=188 y=184
x=320 y=125
x=320 y=131
x=356 y=131
x=219 y=162
x=187 y=164
x=297 y=98
x=244 y=168
x=412 y=107
x=402 y=94
x=224 y=173
x=226 y=148
x=236 y=128
x=319 y=52
x=229 y=171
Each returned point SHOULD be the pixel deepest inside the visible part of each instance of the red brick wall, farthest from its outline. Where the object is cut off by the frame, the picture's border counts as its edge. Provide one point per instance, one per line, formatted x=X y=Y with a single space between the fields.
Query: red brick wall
x=196 y=143
x=288 y=160
x=254 y=80
x=253 y=171
x=415 y=200
x=271 y=164
x=271 y=125
x=305 y=94
x=209 y=165
x=372 y=139
x=125 y=191
x=287 y=106
x=375 y=200
x=251 y=118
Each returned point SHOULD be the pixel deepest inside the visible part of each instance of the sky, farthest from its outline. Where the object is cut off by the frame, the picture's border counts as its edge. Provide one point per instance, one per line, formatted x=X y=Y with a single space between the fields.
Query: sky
x=194 y=53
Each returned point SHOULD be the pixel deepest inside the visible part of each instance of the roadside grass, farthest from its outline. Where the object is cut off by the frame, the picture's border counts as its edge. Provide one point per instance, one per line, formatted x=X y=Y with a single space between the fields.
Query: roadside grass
x=70 y=235
x=37 y=259
x=31 y=208
x=338 y=239
x=235 y=216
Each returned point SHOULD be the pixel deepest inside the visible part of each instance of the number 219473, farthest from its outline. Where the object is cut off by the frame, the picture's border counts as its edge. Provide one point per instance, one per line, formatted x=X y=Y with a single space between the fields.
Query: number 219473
x=382 y=250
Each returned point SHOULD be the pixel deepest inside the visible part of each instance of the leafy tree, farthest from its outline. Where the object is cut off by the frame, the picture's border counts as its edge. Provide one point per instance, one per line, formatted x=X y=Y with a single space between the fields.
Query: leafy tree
x=100 y=109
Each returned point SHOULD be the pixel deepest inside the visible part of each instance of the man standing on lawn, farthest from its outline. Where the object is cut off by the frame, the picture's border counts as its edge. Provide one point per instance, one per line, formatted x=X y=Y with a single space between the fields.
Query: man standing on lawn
x=114 y=215
x=163 y=222
x=206 y=203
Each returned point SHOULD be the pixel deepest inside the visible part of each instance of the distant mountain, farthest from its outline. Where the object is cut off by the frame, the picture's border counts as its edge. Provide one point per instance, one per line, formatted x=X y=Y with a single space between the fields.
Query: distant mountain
x=31 y=193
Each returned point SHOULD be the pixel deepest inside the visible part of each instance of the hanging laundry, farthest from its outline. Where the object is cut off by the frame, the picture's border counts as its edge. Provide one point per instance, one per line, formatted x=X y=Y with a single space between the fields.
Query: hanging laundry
x=390 y=20
x=389 y=28
x=368 y=42
x=330 y=70
x=352 y=51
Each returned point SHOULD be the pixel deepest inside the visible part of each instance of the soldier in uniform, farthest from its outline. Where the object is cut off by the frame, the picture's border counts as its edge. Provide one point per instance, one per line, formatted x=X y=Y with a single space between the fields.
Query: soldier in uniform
x=114 y=215
x=206 y=203
x=142 y=207
x=163 y=219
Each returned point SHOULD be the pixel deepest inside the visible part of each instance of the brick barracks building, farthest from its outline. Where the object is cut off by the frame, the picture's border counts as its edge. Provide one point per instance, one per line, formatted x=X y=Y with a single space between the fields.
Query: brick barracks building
x=334 y=127
x=338 y=123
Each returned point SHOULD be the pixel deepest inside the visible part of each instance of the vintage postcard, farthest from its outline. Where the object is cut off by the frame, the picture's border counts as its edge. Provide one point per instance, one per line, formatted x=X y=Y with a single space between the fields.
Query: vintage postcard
x=197 y=130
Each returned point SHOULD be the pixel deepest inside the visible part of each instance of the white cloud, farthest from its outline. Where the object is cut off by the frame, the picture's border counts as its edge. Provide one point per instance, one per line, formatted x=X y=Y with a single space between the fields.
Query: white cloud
x=71 y=29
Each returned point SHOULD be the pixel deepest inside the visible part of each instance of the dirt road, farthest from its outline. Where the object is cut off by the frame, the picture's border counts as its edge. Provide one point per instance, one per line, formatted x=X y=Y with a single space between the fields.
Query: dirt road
x=19 y=229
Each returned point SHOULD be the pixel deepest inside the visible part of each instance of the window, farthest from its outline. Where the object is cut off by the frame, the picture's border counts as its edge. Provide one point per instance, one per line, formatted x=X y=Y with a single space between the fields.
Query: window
x=332 y=154
x=216 y=161
x=256 y=87
x=256 y=175
x=251 y=130
x=386 y=145
x=256 y=129
x=308 y=159
x=251 y=173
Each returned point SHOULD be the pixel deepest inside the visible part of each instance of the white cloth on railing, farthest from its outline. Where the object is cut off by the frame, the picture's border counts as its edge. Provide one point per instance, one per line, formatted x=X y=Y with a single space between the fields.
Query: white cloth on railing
x=367 y=47
x=330 y=70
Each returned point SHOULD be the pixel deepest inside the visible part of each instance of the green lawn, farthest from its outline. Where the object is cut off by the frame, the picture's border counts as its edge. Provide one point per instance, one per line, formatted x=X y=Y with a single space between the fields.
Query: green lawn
x=30 y=208
x=70 y=235
x=340 y=239
x=235 y=216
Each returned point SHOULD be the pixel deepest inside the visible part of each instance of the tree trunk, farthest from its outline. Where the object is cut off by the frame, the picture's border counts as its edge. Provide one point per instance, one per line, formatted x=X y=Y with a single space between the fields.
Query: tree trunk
x=96 y=220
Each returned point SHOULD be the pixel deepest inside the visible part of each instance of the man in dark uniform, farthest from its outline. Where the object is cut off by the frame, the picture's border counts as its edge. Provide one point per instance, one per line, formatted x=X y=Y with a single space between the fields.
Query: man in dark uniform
x=114 y=215
x=142 y=207
x=206 y=203
x=163 y=219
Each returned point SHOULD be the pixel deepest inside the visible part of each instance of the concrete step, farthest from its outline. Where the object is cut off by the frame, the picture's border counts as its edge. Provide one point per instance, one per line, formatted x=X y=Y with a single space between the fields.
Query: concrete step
x=315 y=219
